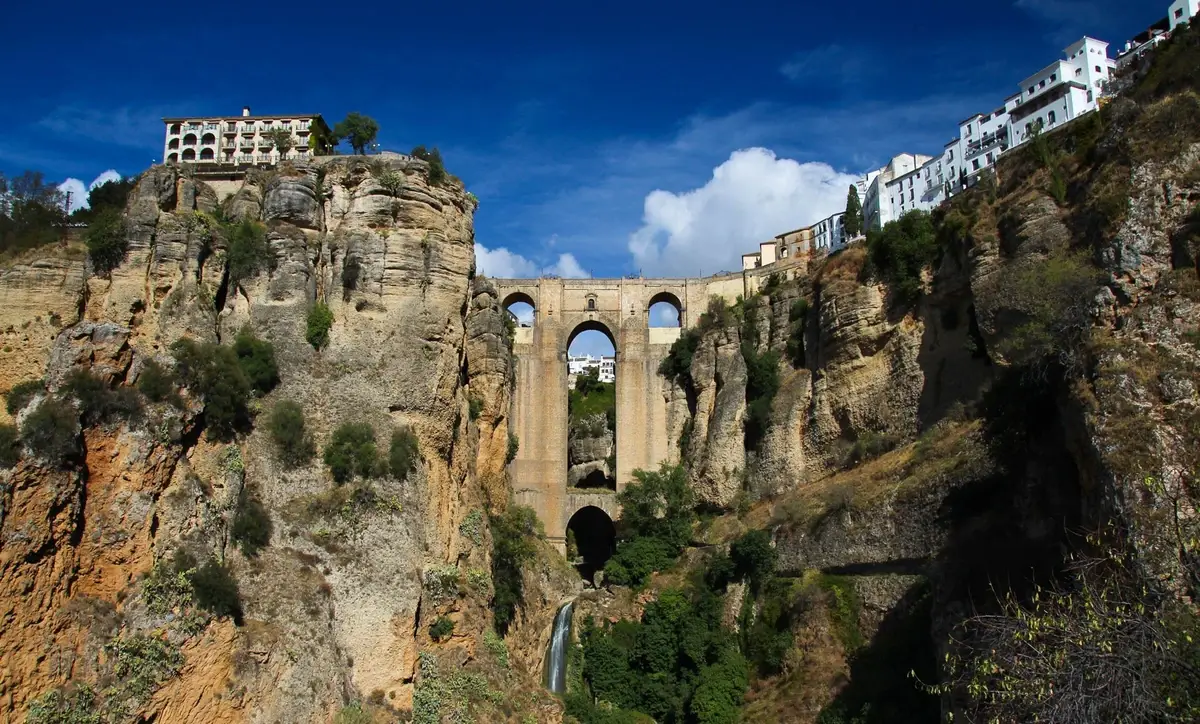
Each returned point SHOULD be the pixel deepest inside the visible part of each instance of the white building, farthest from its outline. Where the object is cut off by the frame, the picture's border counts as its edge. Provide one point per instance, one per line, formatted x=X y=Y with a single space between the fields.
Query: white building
x=889 y=188
x=1062 y=91
x=239 y=140
x=606 y=367
x=1182 y=11
x=829 y=234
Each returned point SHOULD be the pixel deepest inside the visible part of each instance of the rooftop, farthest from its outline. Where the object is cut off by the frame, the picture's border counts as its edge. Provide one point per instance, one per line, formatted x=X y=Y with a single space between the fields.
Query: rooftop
x=241 y=117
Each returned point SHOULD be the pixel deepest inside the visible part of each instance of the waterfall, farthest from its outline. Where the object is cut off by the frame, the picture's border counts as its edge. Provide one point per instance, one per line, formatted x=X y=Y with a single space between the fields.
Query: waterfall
x=556 y=658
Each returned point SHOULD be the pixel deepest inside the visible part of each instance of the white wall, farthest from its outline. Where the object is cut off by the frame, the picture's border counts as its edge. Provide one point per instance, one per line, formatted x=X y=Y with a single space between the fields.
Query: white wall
x=1182 y=11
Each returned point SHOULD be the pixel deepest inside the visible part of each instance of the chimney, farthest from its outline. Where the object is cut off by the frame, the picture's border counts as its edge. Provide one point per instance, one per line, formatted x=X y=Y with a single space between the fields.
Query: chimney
x=245 y=111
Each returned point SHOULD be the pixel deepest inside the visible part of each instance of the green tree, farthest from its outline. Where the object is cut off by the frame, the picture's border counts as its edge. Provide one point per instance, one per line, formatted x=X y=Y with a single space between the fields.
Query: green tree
x=214 y=373
x=257 y=359
x=10 y=451
x=357 y=130
x=249 y=252
x=754 y=558
x=106 y=241
x=292 y=440
x=110 y=195
x=281 y=139
x=901 y=251
x=513 y=533
x=853 y=218
x=432 y=156
x=50 y=431
x=352 y=451
x=403 y=453
x=320 y=320
x=31 y=212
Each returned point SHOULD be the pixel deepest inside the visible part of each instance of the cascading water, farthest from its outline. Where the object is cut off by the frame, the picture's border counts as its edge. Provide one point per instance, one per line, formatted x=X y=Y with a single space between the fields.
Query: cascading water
x=556 y=658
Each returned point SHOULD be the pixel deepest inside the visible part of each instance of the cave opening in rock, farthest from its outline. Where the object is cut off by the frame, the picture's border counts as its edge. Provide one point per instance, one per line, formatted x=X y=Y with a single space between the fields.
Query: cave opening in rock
x=591 y=540
x=591 y=408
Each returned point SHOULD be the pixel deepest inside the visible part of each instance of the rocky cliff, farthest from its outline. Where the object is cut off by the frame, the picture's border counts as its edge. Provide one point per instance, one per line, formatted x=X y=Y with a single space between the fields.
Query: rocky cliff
x=335 y=608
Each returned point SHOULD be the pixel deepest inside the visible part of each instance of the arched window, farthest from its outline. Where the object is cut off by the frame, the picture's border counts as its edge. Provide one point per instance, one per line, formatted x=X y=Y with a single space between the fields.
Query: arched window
x=209 y=139
x=665 y=310
x=206 y=154
x=173 y=143
x=521 y=307
x=591 y=303
x=175 y=129
x=189 y=139
x=189 y=154
x=1050 y=117
x=173 y=158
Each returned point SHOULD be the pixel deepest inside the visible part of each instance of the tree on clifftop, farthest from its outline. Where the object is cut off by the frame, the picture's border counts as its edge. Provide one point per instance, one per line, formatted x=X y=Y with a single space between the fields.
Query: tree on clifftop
x=357 y=130
x=281 y=139
x=853 y=219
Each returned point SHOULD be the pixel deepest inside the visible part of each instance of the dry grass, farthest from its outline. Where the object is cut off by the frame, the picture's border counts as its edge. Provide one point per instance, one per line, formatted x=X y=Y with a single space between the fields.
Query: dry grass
x=843 y=267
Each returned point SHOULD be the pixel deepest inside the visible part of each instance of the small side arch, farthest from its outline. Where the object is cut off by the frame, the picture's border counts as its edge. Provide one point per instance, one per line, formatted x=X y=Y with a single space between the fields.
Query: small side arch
x=659 y=310
x=522 y=307
x=592 y=534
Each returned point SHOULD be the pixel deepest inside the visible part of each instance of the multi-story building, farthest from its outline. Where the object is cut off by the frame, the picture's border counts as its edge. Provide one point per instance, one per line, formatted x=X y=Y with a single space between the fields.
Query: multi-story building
x=1062 y=91
x=829 y=234
x=240 y=140
x=890 y=189
x=605 y=367
x=1182 y=11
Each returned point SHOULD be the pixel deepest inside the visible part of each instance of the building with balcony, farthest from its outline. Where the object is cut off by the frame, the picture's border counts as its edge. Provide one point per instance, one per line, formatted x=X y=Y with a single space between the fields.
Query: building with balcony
x=1182 y=11
x=891 y=192
x=241 y=140
x=1062 y=91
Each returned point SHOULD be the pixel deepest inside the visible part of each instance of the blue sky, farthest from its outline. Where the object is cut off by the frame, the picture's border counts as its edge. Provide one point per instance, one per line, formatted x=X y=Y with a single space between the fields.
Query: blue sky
x=601 y=138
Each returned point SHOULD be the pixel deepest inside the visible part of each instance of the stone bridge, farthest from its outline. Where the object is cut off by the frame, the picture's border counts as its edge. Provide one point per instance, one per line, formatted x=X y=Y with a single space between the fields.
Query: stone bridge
x=619 y=308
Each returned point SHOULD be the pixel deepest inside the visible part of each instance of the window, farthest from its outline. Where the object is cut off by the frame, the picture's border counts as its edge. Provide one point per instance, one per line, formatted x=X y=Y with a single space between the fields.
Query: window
x=1028 y=127
x=951 y=156
x=1053 y=77
x=989 y=159
x=1031 y=90
x=1098 y=70
x=1041 y=84
x=1089 y=96
x=1178 y=14
x=1078 y=72
x=1051 y=117
x=975 y=164
x=912 y=195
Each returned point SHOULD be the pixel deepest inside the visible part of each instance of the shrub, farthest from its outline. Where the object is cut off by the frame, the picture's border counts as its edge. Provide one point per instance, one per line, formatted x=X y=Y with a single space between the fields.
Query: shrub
x=320 y=320
x=403 y=453
x=636 y=559
x=97 y=402
x=106 y=241
x=512 y=548
x=474 y=408
x=514 y=446
x=257 y=359
x=869 y=446
x=754 y=558
x=22 y=394
x=797 y=322
x=249 y=253
x=496 y=647
x=157 y=383
x=441 y=629
x=251 y=528
x=292 y=440
x=901 y=251
x=352 y=452
x=50 y=432
x=353 y=714
x=677 y=365
x=216 y=590
x=392 y=182
x=437 y=170
x=57 y=707
x=142 y=663
x=214 y=373
x=10 y=451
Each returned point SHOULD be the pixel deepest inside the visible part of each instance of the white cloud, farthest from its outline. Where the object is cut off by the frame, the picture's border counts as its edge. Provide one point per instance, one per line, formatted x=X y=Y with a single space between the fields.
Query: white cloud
x=664 y=314
x=829 y=62
x=750 y=198
x=79 y=192
x=504 y=264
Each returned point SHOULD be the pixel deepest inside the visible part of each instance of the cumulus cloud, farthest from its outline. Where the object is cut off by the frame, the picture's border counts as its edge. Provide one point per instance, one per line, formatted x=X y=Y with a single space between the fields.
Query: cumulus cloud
x=504 y=264
x=750 y=198
x=79 y=191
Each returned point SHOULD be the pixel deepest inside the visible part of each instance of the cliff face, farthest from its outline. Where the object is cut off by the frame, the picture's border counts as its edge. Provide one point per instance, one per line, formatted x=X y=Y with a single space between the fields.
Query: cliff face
x=336 y=607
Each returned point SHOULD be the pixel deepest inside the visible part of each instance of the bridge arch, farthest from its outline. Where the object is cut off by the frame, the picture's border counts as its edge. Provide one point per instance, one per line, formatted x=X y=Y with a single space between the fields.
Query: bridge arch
x=593 y=325
x=593 y=535
x=667 y=298
x=514 y=302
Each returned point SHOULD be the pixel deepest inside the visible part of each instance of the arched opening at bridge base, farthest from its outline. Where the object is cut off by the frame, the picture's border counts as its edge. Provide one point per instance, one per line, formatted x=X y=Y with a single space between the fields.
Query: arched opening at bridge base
x=591 y=540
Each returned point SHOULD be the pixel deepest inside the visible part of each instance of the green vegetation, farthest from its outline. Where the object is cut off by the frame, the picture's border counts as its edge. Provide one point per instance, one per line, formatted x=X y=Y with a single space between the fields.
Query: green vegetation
x=143 y=663
x=157 y=383
x=514 y=446
x=900 y=252
x=392 y=182
x=658 y=517
x=474 y=408
x=22 y=394
x=292 y=440
x=353 y=714
x=753 y=558
x=78 y=706
x=845 y=608
x=432 y=156
x=106 y=241
x=677 y=664
x=496 y=647
x=762 y=381
x=677 y=365
x=248 y=253
x=320 y=321
x=797 y=323
x=442 y=629
x=403 y=454
x=868 y=446
x=352 y=451
x=454 y=693
x=50 y=431
x=513 y=535
x=281 y=139
x=1099 y=647
x=257 y=360
x=10 y=446
x=357 y=130
x=108 y=196
x=853 y=219
x=31 y=212
x=216 y=590
x=215 y=374
x=471 y=526
x=97 y=403
x=592 y=399
x=251 y=529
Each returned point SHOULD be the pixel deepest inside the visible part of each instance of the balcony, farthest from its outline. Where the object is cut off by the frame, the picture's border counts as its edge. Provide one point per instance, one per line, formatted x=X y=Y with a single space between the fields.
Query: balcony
x=228 y=143
x=246 y=143
x=245 y=158
x=974 y=148
x=266 y=142
x=248 y=128
x=230 y=128
x=264 y=158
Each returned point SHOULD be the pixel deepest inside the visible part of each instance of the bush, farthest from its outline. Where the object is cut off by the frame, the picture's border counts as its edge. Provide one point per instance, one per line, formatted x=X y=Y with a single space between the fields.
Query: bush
x=658 y=515
x=677 y=365
x=142 y=664
x=320 y=320
x=50 y=431
x=22 y=394
x=514 y=446
x=251 y=528
x=437 y=170
x=292 y=440
x=97 y=402
x=474 y=408
x=249 y=253
x=754 y=558
x=10 y=451
x=214 y=373
x=352 y=452
x=257 y=359
x=636 y=559
x=512 y=547
x=403 y=454
x=869 y=446
x=797 y=322
x=441 y=629
x=216 y=590
x=157 y=383
x=56 y=707
x=106 y=241
x=901 y=251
